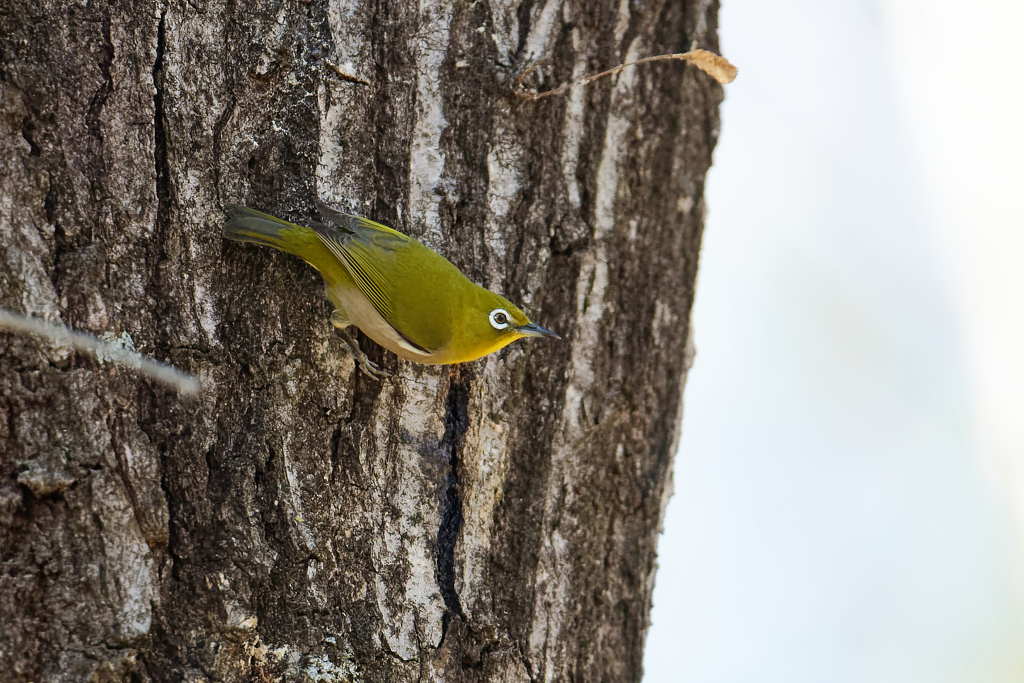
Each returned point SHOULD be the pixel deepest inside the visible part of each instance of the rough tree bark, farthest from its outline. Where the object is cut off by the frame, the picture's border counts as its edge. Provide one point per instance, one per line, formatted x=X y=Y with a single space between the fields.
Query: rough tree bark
x=495 y=521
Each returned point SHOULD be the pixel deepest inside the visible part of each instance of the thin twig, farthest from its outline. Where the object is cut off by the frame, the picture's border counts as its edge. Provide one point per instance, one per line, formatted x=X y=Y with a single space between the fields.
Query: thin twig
x=530 y=69
x=103 y=351
x=716 y=66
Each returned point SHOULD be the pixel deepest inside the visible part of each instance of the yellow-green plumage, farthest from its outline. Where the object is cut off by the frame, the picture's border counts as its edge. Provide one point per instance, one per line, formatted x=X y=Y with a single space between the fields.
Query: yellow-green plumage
x=401 y=294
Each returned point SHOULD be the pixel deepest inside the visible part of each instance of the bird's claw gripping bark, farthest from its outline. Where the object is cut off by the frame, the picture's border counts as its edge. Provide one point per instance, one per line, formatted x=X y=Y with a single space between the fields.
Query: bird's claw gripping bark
x=368 y=367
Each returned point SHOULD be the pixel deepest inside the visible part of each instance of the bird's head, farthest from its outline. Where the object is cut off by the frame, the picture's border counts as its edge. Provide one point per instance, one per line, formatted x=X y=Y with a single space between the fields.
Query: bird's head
x=491 y=323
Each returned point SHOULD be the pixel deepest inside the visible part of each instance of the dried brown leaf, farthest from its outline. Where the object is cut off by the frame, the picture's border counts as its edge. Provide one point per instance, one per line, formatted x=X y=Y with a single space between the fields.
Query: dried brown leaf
x=716 y=66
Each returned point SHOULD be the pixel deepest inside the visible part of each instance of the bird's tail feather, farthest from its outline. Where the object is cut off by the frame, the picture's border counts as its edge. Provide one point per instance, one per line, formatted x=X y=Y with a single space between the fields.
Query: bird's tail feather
x=249 y=225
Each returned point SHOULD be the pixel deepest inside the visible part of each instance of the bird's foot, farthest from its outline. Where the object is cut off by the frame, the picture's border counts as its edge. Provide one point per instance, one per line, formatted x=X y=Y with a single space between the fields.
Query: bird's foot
x=371 y=369
x=368 y=367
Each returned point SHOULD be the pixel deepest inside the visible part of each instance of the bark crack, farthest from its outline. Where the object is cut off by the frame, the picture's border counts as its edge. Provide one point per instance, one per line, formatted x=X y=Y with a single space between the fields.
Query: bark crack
x=163 y=166
x=456 y=424
x=93 y=117
x=218 y=135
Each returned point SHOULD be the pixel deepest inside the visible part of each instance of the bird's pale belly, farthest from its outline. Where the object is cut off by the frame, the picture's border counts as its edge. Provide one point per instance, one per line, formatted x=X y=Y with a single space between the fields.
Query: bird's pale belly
x=361 y=313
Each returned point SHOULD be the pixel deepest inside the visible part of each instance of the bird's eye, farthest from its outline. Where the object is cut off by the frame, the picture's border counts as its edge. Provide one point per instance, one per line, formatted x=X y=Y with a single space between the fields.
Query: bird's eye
x=499 y=318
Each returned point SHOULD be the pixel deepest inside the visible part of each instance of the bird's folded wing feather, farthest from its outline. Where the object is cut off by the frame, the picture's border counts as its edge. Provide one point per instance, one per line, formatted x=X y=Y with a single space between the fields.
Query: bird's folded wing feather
x=366 y=249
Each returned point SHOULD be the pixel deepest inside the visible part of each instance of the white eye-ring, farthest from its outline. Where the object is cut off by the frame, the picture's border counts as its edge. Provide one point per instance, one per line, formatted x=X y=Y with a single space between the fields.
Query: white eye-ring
x=499 y=318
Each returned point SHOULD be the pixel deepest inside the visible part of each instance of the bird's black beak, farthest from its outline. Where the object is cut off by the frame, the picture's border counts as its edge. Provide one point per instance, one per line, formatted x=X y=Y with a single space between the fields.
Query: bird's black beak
x=534 y=330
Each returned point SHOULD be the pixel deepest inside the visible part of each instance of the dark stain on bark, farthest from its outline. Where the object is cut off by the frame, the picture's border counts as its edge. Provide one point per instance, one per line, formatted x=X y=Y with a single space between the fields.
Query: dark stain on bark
x=391 y=33
x=456 y=424
x=28 y=133
x=523 y=15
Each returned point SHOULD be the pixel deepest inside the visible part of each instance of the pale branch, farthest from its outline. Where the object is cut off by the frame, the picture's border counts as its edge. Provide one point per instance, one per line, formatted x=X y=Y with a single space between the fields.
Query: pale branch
x=716 y=66
x=103 y=351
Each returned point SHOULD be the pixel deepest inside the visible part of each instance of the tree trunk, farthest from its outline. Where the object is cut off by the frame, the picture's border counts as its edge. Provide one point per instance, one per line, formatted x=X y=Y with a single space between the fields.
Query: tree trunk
x=494 y=521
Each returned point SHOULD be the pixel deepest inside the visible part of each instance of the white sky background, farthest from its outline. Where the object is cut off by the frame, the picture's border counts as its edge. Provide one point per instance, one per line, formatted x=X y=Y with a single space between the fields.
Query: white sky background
x=858 y=323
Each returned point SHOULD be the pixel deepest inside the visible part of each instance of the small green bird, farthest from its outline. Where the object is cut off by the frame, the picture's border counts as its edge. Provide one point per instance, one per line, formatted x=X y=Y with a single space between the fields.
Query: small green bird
x=407 y=298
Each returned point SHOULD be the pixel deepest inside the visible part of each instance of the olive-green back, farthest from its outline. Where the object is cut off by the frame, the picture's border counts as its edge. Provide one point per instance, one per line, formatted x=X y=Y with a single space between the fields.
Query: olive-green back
x=416 y=290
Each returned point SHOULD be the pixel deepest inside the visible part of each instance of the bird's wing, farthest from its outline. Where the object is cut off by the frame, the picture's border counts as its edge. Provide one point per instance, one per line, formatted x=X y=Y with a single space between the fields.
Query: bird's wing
x=370 y=253
x=342 y=220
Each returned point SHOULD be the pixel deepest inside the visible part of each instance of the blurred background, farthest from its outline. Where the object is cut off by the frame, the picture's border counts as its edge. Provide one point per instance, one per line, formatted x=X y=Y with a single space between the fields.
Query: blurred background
x=849 y=492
